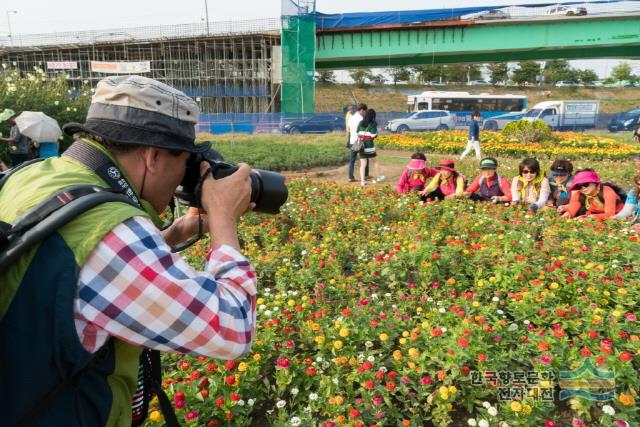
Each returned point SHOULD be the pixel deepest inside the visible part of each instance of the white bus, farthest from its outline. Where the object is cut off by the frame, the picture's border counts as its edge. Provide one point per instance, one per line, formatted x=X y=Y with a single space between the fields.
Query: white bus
x=496 y=110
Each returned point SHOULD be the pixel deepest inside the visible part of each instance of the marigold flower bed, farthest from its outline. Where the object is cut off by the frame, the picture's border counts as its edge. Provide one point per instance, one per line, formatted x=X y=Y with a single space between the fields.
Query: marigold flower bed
x=376 y=310
x=569 y=145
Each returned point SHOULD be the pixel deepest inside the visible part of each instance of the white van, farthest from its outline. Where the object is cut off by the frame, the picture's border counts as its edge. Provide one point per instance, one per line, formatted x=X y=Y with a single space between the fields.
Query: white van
x=566 y=115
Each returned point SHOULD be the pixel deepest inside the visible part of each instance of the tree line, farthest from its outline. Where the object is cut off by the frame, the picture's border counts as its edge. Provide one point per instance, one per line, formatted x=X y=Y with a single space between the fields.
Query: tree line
x=550 y=72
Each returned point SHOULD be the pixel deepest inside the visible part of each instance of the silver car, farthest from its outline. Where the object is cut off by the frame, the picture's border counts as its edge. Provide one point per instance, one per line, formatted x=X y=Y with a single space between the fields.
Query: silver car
x=423 y=120
x=566 y=11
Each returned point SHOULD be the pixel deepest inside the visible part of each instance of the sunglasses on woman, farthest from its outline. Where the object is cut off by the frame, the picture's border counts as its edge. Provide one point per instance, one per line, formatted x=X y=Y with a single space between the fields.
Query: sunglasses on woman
x=528 y=172
x=581 y=186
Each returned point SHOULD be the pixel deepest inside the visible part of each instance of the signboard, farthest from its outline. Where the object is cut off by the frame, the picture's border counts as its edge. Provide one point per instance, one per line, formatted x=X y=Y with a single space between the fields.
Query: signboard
x=121 y=67
x=62 y=65
x=581 y=108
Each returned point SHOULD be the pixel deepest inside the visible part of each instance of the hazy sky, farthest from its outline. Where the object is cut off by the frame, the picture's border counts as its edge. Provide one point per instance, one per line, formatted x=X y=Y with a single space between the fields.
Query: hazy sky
x=41 y=16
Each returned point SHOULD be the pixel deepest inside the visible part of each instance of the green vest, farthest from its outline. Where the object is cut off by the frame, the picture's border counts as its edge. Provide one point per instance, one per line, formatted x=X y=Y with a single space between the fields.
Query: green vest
x=45 y=336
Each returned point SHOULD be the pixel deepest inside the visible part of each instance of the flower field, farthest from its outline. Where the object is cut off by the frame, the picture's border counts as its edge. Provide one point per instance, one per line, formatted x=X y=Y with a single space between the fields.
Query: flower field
x=567 y=145
x=377 y=310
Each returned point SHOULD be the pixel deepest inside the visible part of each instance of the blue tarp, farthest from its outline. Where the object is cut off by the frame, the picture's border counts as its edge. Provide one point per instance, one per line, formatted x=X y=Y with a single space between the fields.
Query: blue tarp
x=365 y=19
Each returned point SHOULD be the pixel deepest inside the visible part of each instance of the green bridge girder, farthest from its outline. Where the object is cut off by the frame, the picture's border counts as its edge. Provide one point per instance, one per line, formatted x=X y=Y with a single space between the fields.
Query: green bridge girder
x=571 y=38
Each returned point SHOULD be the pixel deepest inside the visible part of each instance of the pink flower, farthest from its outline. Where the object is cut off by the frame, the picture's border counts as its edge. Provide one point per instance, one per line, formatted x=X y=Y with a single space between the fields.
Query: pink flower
x=290 y=344
x=283 y=363
x=426 y=380
x=578 y=422
x=191 y=415
x=546 y=359
x=631 y=317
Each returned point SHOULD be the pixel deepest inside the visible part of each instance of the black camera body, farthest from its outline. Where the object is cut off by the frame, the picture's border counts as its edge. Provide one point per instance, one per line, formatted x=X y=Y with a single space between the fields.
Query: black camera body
x=268 y=190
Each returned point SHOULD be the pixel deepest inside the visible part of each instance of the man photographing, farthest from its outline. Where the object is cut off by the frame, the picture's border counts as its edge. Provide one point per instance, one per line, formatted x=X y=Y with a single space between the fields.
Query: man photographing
x=77 y=309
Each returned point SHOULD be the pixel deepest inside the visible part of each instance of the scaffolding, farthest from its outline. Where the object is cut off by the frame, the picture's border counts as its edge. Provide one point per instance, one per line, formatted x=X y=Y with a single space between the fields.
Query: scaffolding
x=228 y=70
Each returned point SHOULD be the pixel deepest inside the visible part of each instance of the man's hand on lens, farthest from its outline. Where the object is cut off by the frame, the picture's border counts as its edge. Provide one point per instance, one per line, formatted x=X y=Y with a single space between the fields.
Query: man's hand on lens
x=225 y=200
x=186 y=227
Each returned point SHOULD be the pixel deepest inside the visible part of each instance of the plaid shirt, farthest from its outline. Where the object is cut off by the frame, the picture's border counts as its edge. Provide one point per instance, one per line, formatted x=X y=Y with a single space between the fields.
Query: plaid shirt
x=133 y=288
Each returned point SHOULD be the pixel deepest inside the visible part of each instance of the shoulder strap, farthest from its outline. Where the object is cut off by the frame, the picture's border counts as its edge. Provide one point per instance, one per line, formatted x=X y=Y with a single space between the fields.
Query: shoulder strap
x=35 y=226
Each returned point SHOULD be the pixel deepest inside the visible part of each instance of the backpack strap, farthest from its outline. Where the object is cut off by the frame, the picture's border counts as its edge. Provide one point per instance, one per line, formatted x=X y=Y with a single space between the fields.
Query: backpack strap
x=35 y=226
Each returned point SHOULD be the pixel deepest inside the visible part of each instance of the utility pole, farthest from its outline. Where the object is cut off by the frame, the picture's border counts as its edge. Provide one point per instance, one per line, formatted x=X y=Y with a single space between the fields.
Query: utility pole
x=206 y=11
x=9 y=12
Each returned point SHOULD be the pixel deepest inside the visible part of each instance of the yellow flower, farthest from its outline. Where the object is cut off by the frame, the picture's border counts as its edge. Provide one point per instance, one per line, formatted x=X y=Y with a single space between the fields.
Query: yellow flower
x=405 y=334
x=413 y=352
x=260 y=301
x=257 y=357
x=453 y=389
x=516 y=406
x=402 y=341
x=242 y=366
x=383 y=337
x=337 y=344
x=526 y=409
x=397 y=355
x=344 y=332
x=319 y=339
x=291 y=303
x=338 y=400
x=155 y=416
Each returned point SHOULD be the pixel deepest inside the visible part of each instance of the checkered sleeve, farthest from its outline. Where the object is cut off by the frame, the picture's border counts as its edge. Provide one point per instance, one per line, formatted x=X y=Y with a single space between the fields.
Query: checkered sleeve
x=134 y=288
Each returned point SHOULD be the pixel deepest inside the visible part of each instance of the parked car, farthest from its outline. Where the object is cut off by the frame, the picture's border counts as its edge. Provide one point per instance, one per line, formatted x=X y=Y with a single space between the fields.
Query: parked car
x=478 y=83
x=493 y=14
x=566 y=11
x=627 y=120
x=423 y=120
x=436 y=83
x=567 y=83
x=315 y=124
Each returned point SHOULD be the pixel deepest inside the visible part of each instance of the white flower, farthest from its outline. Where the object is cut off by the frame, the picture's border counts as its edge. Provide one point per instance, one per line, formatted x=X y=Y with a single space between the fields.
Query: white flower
x=250 y=402
x=268 y=313
x=319 y=359
x=483 y=423
x=443 y=329
x=294 y=391
x=493 y=411
x=383 y=369
x=608 y=410
x=368 y=344
x=472 y=422
x=313 y=396
x=442 y=310
x=280 y=404
x=371 y=359
x=295 y=421
x=335 y=380
x=240 y=402
x=503 y=424
x=526 y=322
x=499 y=311
x=495 y=299
x=307 y=409
x=486 y=404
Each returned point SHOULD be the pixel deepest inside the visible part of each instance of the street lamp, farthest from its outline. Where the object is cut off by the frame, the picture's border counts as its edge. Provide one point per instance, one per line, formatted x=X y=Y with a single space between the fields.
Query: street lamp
x=206 y=11
x=9 y=12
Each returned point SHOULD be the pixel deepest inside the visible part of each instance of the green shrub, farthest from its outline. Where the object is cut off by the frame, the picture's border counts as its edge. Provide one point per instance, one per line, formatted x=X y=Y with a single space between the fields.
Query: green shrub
x=524 y=131
x=38 y=92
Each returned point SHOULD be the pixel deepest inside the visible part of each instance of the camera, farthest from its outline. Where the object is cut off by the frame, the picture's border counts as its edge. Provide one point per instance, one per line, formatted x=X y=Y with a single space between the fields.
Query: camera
x=268 y=190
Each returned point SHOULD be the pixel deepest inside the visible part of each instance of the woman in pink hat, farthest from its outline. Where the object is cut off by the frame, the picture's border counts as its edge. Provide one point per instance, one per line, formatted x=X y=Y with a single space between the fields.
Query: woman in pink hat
x=591 y=198
x=447 y=183
x=415 y=175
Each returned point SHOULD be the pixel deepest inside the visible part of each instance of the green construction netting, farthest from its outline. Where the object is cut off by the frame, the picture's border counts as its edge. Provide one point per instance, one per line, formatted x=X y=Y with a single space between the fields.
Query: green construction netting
x=298 y=63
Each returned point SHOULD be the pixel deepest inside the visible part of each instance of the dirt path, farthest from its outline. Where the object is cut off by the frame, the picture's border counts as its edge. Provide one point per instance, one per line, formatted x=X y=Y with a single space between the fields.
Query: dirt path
x=392 y=164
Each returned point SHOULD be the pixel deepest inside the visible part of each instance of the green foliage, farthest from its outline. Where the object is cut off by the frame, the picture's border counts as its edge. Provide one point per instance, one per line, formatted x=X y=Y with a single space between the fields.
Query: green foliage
x=325 y=76
x=427 y=73
x=622 y=71
x=462 y=72
x=39 y=92
x=524 y=131
x=559 y=69
x=499 y=72
x=281 y=153
x=360 y=76
x=526 y=72
x=400 y=74
x=587 y=76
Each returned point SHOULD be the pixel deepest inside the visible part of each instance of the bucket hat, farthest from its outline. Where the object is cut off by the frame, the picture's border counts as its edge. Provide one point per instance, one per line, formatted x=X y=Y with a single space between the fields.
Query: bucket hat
x=585 y=177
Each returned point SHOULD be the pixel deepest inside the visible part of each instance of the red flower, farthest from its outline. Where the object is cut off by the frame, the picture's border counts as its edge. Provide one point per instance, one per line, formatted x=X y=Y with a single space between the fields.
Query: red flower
x=211 y=367
x=219 y=402
x=463 y=342
x=230 y=380
x=390 y=385
x=194 y=375
x=482 y=357
x=230 y=364
x=369 y=384
x=585 y=352
x=549 y=423
x=311 y=371
x=436 y=332
x=354 y=413
x=229 y=416
x=625 y=356
x=283 y=363
x=234 y=397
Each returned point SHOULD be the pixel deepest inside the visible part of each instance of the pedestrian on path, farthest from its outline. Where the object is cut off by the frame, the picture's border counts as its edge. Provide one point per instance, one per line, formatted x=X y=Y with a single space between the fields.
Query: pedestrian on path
x=474 y=137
